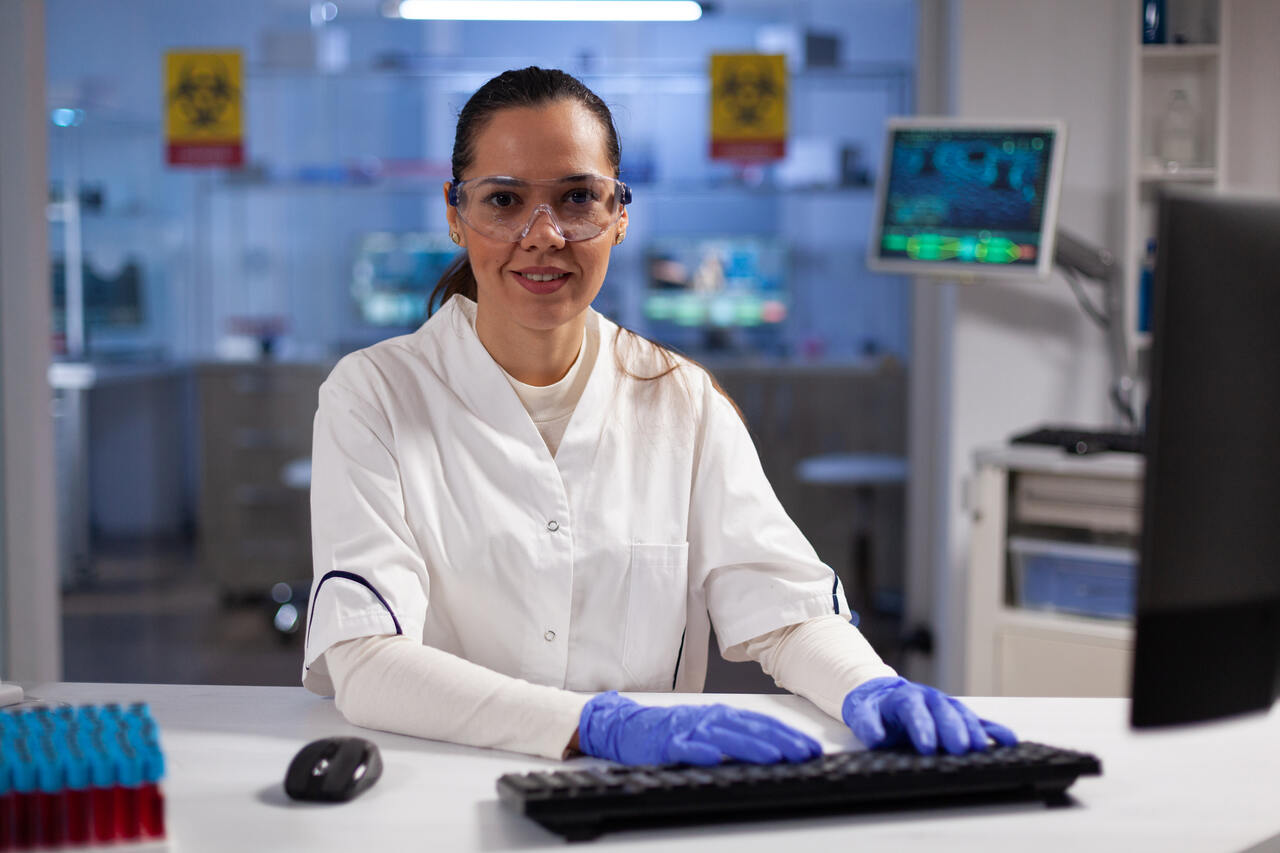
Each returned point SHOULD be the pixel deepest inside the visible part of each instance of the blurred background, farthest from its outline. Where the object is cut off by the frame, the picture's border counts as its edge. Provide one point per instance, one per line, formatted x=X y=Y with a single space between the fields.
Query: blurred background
x=193 y=312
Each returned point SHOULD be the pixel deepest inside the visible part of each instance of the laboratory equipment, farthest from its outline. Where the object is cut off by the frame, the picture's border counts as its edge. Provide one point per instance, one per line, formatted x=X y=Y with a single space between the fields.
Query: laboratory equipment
x=717 y=293
x=961 y=198
x=393 y=274
x=1207 y=641
x=75 y=777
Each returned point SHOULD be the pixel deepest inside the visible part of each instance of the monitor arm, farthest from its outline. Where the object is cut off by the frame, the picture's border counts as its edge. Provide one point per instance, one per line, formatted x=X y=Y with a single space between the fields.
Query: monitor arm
x=1074 y=253
x=1078 y=257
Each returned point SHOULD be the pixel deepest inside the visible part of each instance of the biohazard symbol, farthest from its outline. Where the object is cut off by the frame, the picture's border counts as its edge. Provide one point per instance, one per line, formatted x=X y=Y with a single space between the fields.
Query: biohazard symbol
x=204 y=94
x=749 y=92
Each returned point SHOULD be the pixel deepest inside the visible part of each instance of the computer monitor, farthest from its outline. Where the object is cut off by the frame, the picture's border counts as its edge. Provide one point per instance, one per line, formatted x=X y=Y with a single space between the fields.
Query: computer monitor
x=1207 y=641
x=967 y=199
x=393 y=274
x=717 y=293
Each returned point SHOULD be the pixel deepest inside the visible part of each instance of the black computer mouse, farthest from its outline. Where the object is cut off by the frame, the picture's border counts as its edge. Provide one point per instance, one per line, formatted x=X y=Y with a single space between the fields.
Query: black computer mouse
x=333 y=769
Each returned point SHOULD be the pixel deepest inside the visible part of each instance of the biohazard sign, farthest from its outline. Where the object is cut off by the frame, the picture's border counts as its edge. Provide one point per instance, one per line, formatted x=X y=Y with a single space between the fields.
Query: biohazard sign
x=748 y=106
x=203 y=108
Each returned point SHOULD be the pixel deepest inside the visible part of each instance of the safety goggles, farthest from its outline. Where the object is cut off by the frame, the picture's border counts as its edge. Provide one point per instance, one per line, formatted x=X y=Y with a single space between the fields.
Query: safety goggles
x=579 y=207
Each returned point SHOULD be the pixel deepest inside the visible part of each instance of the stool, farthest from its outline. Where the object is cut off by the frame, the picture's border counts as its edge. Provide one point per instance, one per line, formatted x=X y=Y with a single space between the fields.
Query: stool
x=864 y=472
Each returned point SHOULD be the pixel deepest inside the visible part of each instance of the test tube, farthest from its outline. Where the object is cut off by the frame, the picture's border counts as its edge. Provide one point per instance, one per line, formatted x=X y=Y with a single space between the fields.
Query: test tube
x=24 y=797
x=79 y=802
x=6 y=794
x=152 y=797
x=101 y=786
x=51 y=801
x=128 y=788
x=146 y=741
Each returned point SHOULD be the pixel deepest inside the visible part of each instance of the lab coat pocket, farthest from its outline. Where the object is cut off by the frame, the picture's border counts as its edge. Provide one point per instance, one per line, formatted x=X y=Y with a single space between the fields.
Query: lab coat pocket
x=658 y=586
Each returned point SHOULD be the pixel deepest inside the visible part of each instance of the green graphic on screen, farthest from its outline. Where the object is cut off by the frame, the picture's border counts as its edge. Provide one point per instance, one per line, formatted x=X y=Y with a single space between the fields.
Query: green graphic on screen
x=966 y=196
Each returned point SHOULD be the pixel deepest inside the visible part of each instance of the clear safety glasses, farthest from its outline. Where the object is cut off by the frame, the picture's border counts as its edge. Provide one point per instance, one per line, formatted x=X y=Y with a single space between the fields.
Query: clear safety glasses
x=579 y=206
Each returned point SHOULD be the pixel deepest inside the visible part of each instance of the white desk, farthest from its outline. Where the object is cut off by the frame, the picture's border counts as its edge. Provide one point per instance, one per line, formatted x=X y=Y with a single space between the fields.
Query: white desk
x=1212 y=789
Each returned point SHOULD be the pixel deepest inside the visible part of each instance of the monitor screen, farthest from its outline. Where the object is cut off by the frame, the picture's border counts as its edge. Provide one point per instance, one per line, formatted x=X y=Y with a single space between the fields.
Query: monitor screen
x=1207 y=642
x=394 y=273
x=726 y=292
x=966 y=200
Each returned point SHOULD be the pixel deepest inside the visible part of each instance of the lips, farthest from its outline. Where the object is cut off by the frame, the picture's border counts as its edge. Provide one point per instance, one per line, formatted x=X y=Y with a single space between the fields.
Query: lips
x=541 y=280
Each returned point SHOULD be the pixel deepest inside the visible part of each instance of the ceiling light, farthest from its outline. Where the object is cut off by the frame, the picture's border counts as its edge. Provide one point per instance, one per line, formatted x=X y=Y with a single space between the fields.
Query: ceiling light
x=550 y=10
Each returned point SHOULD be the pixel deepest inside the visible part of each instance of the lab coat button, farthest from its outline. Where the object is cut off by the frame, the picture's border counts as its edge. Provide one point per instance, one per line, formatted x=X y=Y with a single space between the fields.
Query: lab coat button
x=549 y=636
x=553 y=526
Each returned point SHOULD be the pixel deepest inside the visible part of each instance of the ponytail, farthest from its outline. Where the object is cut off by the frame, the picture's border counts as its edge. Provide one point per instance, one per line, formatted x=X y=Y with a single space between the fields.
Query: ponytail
x=456 y=278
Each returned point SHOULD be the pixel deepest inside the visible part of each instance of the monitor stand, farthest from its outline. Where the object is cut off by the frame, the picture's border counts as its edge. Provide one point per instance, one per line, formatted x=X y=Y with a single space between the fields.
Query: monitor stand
x=10 y=694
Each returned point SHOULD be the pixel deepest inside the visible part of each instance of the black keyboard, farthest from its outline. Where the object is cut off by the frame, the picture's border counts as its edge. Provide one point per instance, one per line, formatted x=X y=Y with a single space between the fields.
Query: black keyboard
x=582 y=804
x=1081 y=441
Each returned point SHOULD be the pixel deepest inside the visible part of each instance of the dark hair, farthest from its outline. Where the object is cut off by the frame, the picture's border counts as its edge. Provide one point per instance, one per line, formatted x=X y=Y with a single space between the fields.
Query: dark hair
x=525 y=87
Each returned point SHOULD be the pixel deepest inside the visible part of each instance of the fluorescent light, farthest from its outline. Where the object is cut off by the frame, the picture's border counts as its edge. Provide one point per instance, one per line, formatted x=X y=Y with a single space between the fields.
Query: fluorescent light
x=550 y=10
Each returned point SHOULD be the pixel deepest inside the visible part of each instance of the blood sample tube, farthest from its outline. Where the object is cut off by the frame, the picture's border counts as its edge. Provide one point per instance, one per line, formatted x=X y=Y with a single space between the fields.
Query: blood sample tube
x=6 y=794
x=152 y=796
x=24 y=796
x=51 y=801
x=102 y=791
x=128 y=787
x=79 y=801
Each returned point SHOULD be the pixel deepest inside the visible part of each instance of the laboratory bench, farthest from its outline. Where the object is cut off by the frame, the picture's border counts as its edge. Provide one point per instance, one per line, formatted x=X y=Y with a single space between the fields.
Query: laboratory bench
x=1203 y=789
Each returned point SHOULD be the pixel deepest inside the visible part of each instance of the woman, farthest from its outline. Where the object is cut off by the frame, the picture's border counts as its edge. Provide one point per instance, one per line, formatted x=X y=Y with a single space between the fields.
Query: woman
x=521 y=505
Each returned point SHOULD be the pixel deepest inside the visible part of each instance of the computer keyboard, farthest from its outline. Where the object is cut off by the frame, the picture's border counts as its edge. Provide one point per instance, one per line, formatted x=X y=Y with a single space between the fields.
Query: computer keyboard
x=582 y=804
x=1082 y=441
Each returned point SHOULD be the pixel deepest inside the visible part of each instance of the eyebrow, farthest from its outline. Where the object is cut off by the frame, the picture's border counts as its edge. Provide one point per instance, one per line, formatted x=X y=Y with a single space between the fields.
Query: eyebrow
x=506 y=181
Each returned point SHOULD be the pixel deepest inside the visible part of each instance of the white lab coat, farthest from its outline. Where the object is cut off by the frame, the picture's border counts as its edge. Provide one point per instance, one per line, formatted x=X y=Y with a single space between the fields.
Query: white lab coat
x=439 y=513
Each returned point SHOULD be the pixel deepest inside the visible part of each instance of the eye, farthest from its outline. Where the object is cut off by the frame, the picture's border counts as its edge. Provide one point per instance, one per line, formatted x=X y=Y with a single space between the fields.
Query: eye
x=501 y=198
x=580 y=195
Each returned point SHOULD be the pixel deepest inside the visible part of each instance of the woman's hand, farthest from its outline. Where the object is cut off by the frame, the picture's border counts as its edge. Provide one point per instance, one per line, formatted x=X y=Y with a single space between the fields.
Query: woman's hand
x=887 y=712
x=617 y=728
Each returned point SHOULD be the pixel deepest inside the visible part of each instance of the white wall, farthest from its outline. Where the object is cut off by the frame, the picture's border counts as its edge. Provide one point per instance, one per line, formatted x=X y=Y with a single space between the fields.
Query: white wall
x=28 y=570
x=1022 y=353
x=1253 y=95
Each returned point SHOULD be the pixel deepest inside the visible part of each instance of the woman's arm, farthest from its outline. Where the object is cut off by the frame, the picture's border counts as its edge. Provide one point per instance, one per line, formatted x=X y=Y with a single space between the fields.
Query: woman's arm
x=396 y=684
x=821 y=659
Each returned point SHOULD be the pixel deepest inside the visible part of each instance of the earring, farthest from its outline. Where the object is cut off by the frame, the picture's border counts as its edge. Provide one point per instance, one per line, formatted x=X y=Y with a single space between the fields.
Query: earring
x=617 y=241
x=455 y=237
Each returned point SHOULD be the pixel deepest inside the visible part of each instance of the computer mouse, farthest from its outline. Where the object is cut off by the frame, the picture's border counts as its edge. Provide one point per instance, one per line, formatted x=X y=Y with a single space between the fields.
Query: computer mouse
x=1085 y=446
x=333 y=769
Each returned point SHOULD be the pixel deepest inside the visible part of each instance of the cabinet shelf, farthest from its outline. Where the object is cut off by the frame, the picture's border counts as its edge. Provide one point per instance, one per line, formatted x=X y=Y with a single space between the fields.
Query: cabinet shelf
x=1161 y=76
x=1190 y=174
x=1078 y=626
x=1178 y=52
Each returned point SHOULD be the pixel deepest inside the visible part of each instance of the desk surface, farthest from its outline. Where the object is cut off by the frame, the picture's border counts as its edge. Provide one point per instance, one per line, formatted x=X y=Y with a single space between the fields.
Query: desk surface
x=1206 y=788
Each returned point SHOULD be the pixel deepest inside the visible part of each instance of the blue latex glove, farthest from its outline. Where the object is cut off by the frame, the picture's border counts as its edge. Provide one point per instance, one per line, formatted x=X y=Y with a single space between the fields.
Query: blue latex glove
x=617 y=728
x=887 y=712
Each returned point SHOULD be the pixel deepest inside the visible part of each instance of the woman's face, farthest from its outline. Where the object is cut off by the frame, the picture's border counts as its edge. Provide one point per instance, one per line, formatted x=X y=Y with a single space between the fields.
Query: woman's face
x=555 y=140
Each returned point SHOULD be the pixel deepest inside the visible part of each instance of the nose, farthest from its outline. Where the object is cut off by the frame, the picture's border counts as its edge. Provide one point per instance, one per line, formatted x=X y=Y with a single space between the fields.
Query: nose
x=542 y=231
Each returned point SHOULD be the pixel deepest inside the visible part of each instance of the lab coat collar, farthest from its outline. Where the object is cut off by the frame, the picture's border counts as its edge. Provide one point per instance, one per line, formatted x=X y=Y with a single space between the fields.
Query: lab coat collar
x=449 y=342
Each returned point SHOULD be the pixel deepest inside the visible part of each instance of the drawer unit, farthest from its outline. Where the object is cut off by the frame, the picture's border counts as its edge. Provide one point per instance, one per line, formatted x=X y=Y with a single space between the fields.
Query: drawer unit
x=254 y=420
x=1086 y=580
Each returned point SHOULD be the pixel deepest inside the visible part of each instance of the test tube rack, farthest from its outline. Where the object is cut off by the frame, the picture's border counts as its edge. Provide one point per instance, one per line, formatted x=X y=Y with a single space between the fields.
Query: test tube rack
x=81 y=778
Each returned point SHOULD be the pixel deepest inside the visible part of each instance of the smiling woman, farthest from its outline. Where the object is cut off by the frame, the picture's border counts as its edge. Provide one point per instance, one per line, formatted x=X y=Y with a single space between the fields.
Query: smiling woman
x=525 y=155
x=506 y=522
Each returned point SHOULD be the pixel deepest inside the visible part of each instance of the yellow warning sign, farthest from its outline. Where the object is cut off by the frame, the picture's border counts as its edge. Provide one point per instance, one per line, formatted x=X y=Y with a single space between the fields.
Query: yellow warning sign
x=748 y=106
x=204 y=108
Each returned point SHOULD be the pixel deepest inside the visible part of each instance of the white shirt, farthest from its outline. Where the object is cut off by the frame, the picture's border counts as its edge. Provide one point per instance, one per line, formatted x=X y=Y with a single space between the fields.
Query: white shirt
x=551 y=406
x=438 y=512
